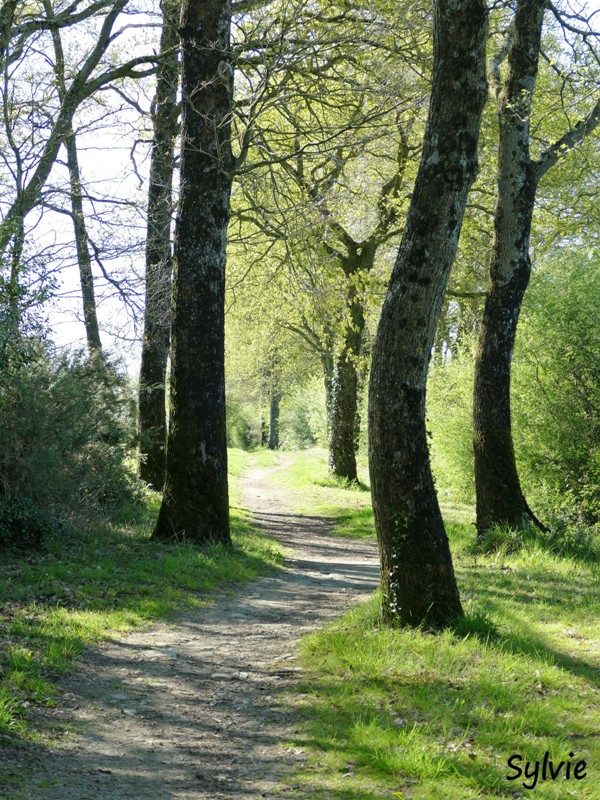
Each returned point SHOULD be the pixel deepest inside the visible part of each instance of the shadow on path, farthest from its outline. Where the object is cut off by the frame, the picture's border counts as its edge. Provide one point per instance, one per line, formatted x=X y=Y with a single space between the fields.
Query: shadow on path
x=190 y=710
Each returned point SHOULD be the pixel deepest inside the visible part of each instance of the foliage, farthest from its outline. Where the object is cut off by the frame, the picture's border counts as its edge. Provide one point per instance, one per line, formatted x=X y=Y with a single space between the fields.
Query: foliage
x=556 y=389
x=242 y=430
x=66 y=435
x=303 y=422
x=555 y=402
x=450 y=425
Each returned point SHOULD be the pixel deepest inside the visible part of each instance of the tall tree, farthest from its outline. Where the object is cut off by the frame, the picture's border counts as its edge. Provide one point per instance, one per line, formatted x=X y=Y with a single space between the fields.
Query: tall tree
x=195 y=503
x=86 y=278
x=416 y=566
x=500 y=498
x=152 y=415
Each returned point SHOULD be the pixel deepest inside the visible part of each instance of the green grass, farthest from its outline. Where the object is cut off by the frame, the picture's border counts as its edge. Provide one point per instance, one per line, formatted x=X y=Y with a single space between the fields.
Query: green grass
x=314 y=491
x=85 y=587
x=407 y=714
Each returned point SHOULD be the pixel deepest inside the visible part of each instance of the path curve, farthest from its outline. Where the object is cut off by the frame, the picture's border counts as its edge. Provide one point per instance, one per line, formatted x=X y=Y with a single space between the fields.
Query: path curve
x=192 y=709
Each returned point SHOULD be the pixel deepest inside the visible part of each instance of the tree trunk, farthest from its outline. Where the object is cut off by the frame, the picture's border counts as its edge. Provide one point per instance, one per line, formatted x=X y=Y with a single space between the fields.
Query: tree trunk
x=273 y=442
x=327 y=364
x=195 y=502
x=418 y=580
x=343 y=442
x=86 y=278
x=152 y=414
x=500 y=499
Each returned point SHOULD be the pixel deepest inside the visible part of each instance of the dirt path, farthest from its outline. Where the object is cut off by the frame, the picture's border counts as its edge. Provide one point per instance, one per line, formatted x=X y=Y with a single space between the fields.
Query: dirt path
x=192 y=710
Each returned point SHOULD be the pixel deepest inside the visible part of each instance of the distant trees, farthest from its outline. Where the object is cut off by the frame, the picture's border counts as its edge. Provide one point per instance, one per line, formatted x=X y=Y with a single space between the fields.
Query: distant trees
x=417 y=575
x=324 y=183
x=44 y=86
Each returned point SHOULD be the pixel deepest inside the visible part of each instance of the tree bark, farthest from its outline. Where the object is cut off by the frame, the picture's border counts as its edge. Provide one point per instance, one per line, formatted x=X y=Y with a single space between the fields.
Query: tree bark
x=418 y=580
x=500 y=499
x=343 y=442
x=152 y=414
x=195 y=503
x=86 y=278
x=273 y=443
x=327 y=364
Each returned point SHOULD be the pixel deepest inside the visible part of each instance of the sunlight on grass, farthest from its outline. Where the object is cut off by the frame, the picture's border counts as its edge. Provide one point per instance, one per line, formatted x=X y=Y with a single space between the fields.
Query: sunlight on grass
x=407 y=714
x=86 y=587
x=438 y=716
x=315 y=491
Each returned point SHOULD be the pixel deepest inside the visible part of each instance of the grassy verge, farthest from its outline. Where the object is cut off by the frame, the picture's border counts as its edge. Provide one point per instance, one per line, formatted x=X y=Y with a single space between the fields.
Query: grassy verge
x=407 y=714
x=109 y=579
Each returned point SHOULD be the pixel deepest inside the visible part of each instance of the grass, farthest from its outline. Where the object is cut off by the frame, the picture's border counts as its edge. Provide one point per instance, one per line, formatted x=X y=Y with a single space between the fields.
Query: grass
x=316 y=492
x=88 y=586
x=407 y=714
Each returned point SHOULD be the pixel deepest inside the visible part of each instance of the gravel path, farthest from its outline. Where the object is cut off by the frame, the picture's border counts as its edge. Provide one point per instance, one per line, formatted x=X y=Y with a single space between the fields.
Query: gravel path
x=193 y=709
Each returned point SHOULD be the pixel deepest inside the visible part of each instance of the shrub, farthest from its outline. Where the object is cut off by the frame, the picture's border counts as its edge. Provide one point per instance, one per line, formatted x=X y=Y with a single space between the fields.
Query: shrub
x=66 y=436
x=556 y=389
x=241 y=432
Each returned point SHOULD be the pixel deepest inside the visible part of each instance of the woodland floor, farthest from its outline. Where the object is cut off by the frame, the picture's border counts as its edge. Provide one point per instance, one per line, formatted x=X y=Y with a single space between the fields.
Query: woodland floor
x=196 y=709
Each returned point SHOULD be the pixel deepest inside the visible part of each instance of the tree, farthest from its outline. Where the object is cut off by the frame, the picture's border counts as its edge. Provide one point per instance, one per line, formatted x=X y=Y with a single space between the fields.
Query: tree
x=330 y=190
x=417 y=574
x=90 y=316
x=152 y=415
x=500 y=499
x=40 y=98
x=195 y=503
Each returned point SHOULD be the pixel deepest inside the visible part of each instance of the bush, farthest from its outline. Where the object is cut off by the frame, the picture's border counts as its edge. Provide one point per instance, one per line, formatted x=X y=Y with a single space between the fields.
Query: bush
x=556 y=389
x=241 y=432
x=66 y=436
x=555 y=403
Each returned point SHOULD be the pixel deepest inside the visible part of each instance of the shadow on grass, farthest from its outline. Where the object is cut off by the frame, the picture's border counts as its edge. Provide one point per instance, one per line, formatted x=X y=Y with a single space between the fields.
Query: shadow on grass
x=354 y=522
x=57 y=602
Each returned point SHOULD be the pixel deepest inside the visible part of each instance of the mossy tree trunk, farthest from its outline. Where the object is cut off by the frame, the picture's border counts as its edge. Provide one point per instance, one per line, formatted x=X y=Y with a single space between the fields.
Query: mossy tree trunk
x=343 y=440
x=195 y=503
x=275 y=399
x=418 y=581
x=498 y=489
x=152 y=415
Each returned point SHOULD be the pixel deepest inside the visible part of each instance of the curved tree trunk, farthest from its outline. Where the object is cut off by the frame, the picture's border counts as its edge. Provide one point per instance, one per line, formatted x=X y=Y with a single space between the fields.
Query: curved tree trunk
x=500 y=499
x=195 y=502
x=418 y=580
x=152 y=414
